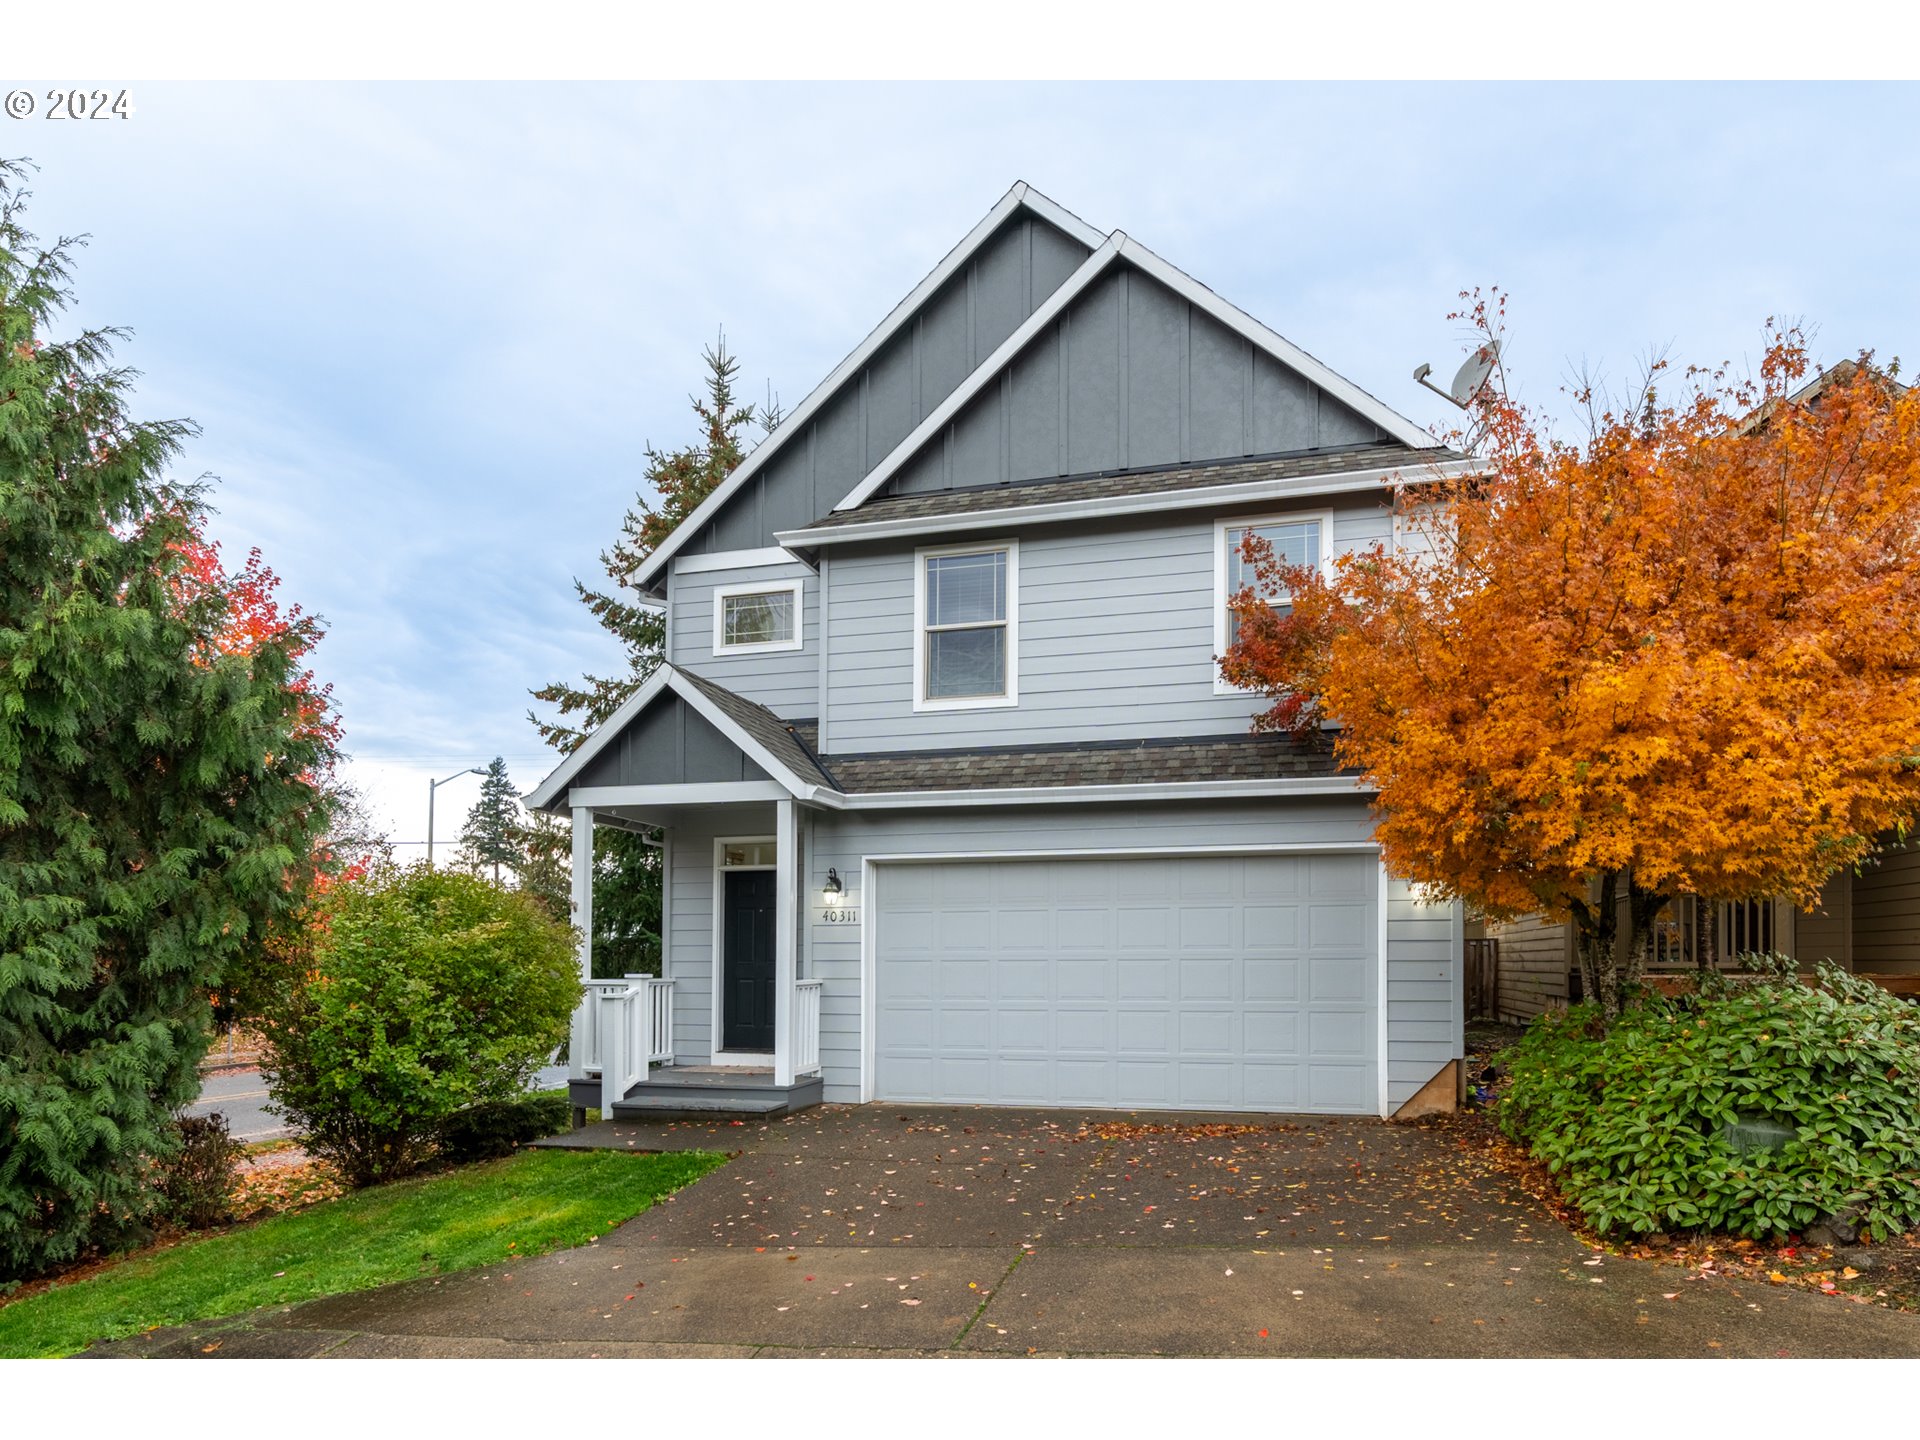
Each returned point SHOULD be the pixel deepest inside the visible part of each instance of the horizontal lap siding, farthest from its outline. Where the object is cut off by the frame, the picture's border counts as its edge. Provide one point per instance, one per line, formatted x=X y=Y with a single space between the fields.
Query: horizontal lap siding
x=1534 y=957
x=1116 y=639
x=787 y=682
x=689 y=947
x=1423 y=999
x=1886 y=915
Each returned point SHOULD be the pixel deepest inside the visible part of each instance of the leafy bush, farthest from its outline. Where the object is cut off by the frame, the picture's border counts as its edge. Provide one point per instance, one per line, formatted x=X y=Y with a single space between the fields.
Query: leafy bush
x=197 y=1179
x=1661 y=1121
x=430 y=992
x=499 y=1127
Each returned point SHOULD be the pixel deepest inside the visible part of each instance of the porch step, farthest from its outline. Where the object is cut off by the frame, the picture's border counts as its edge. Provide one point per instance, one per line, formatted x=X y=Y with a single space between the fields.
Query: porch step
x=696 y=1092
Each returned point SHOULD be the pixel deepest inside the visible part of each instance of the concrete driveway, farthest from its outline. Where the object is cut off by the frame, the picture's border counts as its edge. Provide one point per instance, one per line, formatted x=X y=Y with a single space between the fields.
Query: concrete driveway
x=887 y=1230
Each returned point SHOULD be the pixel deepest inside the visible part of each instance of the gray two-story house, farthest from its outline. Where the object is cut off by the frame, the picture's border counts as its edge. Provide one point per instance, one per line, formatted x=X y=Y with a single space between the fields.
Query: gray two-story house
x=954 y=804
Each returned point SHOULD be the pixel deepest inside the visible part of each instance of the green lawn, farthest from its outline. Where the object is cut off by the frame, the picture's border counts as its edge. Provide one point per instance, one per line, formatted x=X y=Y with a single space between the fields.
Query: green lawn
x=527 y=1204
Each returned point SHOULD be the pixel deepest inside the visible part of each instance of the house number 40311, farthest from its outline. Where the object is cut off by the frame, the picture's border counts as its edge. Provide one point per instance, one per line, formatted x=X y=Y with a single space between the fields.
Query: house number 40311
x=840 y=915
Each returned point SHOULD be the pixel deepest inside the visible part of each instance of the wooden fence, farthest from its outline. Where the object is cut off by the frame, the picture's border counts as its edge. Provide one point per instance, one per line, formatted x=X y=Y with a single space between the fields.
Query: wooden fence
x=1482 y=970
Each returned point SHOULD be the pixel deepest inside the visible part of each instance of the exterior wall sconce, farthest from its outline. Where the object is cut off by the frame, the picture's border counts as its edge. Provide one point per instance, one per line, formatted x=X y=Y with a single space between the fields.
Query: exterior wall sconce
x=830 y=892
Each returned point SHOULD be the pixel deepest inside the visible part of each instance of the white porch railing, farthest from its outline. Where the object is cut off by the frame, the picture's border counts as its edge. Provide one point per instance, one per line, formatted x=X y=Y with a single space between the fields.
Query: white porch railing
x=635 y=1009
x=660 y=1023
x=806 y=1027
x=623 y=1058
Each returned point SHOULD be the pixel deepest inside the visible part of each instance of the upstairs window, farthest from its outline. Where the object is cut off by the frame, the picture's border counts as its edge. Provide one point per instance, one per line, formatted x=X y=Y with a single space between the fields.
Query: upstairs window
x=753 y=618
x=965 y=642
x=1295 y=539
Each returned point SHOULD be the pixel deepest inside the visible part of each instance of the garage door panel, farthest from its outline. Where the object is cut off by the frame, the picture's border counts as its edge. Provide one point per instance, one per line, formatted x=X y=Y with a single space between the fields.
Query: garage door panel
x=1082 y=927
x=1144 y=1032
x=1204 y=1033
x=1272 y=1034
x=1215 y=982
x=957 y=1028
x=1340 y=1088
x=1271 y=979
x=1334 y=1034
x=1338 y=978
x=1338 y=927
x=1083 y=979
x=1209 y=927
x=1146 y=928
x=1206 y=979
x=1144 y=979
x=1086 y=1031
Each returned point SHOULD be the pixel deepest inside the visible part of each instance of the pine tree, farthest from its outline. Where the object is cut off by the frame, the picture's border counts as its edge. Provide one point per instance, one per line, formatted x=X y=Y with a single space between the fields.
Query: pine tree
x=488 y=837
x=627 y=870
x=158 y=798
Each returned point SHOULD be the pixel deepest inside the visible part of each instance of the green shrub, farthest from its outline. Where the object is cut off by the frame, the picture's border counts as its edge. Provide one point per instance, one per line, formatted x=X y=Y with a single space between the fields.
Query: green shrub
x=499 y=1127
x=197 y=1179
x=1662 y=1122
x=431 y=991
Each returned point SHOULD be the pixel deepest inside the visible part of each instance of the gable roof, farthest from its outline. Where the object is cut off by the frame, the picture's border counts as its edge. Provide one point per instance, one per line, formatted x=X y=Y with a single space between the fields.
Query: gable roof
x=1119 y=247
x=1021 y=196
x=764 y=739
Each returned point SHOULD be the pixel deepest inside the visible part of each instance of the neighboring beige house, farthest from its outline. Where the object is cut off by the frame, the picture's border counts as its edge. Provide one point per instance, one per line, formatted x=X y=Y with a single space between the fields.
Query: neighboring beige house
x=1867 y=923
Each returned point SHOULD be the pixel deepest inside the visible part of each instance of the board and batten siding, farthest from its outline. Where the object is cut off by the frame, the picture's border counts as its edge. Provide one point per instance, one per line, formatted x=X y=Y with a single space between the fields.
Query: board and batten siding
x=1423 y=1024
x=1131 y=375
x=1116 y=638
x=936 y=348
x=787 y=682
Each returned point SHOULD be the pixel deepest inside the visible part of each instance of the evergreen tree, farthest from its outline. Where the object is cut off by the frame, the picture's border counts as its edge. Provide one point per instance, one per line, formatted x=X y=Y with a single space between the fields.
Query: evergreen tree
x=158 y=799
x=627 y=870
x=488 y=838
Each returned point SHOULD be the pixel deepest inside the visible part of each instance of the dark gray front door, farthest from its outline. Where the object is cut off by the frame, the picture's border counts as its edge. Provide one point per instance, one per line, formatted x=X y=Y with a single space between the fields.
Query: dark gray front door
x=746 y=963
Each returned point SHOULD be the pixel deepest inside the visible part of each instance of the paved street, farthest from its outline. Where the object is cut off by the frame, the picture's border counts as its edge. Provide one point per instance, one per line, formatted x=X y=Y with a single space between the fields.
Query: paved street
x=242 y=1097
x=888 y=1230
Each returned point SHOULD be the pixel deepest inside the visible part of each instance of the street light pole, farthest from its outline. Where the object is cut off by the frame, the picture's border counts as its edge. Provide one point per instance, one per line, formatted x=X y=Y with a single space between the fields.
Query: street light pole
x=432 y=786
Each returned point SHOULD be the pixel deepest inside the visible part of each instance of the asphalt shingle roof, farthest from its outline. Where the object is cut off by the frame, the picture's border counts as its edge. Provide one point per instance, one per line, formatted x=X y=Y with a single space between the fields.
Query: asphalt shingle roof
x=941 y=504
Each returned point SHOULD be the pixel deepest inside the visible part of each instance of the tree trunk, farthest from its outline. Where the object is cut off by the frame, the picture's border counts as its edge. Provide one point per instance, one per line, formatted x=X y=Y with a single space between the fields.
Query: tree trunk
x=1596 y=929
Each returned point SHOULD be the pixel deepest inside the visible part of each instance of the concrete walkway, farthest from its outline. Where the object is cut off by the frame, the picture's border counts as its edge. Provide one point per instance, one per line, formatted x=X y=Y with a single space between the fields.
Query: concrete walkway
x=883 y=1230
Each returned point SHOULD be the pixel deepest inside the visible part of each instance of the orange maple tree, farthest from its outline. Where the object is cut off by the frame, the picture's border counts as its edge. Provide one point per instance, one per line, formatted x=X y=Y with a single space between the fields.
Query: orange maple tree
x=1678 y=657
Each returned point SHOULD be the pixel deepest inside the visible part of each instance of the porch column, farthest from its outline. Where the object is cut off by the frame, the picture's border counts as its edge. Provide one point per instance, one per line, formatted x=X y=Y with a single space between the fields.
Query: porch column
x=583 y=1015
x=786 y=896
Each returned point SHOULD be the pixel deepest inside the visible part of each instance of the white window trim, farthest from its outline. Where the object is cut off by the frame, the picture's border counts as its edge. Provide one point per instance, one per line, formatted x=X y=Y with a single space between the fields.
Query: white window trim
x=1220 y=572
x=966 y=702
x=751 y=1059
x=723 y=593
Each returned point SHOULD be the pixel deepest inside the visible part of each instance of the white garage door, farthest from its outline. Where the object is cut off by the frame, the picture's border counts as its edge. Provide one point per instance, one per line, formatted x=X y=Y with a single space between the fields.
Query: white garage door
x=1204 y=983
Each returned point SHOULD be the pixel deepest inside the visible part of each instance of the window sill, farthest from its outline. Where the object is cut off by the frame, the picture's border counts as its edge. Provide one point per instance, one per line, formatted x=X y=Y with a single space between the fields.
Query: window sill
x=969 y=702
x=766 y=647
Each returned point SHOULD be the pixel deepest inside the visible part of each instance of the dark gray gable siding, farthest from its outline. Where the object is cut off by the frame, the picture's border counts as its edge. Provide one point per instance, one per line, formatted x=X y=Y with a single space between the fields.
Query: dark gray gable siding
x=669 y=743
x=939 y=346
x=1130 y=375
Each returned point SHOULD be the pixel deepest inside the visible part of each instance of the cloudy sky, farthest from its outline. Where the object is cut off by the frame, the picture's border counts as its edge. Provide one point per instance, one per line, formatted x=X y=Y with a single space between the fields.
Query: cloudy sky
x=428 y=329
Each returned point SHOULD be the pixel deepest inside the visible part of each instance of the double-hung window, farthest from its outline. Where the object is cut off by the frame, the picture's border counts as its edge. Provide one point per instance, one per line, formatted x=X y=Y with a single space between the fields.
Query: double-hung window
x=751 y=618
x=966 y=626
x=1295 y=540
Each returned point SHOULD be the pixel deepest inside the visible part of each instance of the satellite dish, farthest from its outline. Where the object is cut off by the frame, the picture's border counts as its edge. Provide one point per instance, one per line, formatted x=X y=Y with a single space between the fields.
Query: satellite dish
x=1470 y=379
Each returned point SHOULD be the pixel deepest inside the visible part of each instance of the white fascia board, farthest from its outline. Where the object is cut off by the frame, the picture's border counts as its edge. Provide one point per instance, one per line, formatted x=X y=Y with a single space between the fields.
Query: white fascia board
x=1252 y=491
x=738 y=560
x=1277 y=345
x=550 y=789
x=986 y=371
x=1061 y=218
x=793 y=424
x=1095 y=794
x=717 y=792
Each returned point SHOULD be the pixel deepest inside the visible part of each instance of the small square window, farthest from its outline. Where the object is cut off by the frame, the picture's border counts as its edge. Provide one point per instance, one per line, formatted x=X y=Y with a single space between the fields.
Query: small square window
x=756 y=617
